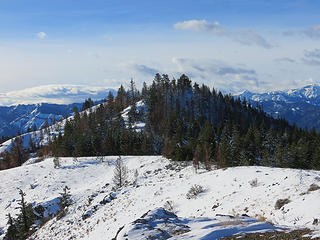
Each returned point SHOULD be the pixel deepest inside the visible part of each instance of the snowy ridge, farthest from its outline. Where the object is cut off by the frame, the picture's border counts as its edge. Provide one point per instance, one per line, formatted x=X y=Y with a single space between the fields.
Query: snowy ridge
x=39 y=138
x=309 y=93
x=248 y=196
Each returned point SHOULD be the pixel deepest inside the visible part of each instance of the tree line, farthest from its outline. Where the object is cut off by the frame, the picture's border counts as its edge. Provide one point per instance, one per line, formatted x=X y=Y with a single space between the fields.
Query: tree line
x=186 y=121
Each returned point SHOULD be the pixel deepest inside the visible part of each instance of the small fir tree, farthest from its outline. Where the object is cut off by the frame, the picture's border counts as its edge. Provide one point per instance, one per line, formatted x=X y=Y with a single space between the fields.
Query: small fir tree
x=65 y=198
x=12 y=229
x=120 y=173
x=26 y=217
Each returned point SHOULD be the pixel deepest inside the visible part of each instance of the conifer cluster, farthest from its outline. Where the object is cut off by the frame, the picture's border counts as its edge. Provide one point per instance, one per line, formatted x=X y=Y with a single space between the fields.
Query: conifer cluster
x=185 y=121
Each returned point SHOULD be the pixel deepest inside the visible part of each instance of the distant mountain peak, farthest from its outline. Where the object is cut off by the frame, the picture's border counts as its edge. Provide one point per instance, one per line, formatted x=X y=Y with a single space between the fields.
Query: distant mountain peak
x=299 y=105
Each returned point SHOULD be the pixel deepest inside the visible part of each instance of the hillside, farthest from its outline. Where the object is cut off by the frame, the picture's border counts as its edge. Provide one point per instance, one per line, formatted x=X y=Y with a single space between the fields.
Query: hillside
x=180 y=120
x=234 y=200
x=299 y=106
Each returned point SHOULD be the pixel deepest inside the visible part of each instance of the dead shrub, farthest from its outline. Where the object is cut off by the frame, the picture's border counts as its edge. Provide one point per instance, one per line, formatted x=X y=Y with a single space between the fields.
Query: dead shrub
x=254 y=182
x=194 y=191
x=281 y=202
x=313 y=187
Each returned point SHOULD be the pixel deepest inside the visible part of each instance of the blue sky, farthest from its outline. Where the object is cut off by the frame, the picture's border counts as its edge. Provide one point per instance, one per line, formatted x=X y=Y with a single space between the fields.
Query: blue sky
x=229 y=44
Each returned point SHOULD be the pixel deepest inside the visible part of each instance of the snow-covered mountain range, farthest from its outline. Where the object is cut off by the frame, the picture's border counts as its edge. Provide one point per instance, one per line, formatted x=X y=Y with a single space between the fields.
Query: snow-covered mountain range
x=300 y=106
x=20 y=118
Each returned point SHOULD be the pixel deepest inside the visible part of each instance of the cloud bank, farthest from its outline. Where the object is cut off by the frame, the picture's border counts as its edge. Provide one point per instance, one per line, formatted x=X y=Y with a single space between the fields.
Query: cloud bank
x=59 y=94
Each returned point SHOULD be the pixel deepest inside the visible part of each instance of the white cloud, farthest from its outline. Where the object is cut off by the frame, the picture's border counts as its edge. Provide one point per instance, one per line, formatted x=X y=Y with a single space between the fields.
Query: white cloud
x=41 y=35
x=244 y=36
x=59 y=94
x=201 y=26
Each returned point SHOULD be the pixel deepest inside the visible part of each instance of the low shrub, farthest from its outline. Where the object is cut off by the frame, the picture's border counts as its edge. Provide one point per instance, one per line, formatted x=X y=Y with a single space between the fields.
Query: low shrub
x=194 y=191
x=313 y=187
x=281 y=202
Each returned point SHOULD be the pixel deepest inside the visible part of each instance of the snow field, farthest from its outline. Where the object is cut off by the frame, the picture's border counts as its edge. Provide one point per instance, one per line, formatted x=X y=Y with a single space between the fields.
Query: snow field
x=252 y=191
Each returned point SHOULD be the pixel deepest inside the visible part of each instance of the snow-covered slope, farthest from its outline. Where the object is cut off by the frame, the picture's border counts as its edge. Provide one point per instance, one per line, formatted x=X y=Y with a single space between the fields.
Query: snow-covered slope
x=300 y=106
x=39 y=137
x=247 y=194
x=141 y=108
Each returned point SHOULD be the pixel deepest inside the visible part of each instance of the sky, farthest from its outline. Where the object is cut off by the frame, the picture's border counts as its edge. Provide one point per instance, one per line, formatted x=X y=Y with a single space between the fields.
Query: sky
x=232 y=45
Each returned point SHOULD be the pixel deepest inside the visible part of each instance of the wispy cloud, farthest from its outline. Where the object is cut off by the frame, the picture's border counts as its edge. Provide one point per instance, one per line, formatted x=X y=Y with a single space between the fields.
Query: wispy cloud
x=224 y=76
x=146 y=70
x=243 y=36
x=201 y=26
x=41 y=35
x=285 y=60
x=312 y=57
x=313 y=54
x=313 y=32
x=250 y=37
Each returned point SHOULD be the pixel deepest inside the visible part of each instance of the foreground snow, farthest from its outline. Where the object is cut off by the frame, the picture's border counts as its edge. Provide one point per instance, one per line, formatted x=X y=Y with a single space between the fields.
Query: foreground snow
x=99 y=212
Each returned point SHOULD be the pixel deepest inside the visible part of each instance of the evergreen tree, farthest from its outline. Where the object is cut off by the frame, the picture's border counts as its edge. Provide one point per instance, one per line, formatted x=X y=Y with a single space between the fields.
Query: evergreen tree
x=65 y=198
x=12 y=232
x=132 y=114
x=18 y=152
x=26 y=217
x=235 y=146
x=87 y=104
